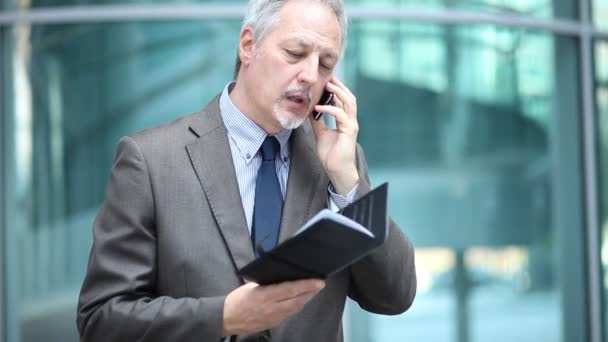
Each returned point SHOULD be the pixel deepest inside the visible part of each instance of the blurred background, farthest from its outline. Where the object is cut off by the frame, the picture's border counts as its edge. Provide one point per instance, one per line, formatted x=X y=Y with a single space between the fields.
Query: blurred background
x=489 y=118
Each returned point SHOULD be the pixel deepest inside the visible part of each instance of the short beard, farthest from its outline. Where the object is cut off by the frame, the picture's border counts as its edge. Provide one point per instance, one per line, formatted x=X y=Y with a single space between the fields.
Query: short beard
x=284 y=120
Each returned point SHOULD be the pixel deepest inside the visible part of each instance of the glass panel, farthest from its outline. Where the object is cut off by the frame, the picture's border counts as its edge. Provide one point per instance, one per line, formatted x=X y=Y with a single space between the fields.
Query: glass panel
x=479 y=144
x=600 y=13
x=78 y=88
x=49 y=3
x=3 y=109
x=480 y=147
x=601 y=94
x=533 y=8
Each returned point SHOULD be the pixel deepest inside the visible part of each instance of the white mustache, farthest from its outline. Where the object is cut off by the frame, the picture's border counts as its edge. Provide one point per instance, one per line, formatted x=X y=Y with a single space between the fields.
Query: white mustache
x=292 y=90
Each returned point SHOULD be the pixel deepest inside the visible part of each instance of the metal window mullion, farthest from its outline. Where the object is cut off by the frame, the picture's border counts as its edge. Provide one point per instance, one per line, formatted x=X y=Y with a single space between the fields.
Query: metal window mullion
x=592 y=225
x=3 y=225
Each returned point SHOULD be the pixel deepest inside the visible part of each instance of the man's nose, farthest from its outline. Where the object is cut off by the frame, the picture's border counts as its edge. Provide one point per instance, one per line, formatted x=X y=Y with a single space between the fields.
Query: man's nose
x=310 y=71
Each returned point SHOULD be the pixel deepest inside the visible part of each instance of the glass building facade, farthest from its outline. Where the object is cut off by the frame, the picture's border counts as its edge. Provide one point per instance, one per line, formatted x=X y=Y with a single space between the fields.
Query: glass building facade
x=488 y=118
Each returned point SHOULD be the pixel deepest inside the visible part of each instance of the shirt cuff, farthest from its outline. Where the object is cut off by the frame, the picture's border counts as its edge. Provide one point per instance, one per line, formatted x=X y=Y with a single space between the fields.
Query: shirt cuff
x=336 y=201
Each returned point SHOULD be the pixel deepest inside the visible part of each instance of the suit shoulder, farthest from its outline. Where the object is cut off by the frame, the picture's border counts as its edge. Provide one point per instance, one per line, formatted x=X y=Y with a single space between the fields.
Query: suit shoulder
x=181 y=130
x=165 y=130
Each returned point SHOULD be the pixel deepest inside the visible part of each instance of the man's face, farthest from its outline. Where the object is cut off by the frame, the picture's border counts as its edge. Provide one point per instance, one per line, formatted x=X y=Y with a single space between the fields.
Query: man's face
x=289 y=68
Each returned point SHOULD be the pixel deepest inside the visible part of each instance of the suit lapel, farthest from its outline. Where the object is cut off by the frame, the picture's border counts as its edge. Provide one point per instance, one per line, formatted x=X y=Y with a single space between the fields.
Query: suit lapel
x=306 y=185
x=212 y=161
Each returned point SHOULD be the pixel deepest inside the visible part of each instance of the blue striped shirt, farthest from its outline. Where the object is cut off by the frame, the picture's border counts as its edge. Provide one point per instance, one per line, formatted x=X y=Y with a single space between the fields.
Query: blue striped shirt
x=245 y=138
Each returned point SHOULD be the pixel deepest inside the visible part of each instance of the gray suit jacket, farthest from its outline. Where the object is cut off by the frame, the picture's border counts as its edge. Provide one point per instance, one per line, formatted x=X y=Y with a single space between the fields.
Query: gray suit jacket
x=171 y=234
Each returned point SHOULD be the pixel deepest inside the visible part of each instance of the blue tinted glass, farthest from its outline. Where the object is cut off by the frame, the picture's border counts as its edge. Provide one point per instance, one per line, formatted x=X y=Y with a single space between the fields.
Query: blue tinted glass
x=470 y=127
x=475 y=128
x=601 y=95
x=532 y=8
x=600 y=13
x=50 y=3
x=77 y=89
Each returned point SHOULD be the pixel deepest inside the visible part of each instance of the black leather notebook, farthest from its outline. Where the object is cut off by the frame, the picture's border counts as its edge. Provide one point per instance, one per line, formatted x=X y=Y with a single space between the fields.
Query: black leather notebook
x=327 y=243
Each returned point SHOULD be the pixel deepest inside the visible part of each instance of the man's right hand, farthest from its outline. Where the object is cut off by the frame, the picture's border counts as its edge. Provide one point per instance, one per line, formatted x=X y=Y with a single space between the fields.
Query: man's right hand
x=252 y=307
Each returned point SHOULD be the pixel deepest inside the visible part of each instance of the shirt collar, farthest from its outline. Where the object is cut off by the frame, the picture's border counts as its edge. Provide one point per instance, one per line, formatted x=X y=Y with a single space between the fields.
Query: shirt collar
x=246 y=134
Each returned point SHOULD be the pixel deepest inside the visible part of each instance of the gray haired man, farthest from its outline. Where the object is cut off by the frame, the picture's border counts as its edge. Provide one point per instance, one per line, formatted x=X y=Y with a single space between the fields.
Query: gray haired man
x=184 y=199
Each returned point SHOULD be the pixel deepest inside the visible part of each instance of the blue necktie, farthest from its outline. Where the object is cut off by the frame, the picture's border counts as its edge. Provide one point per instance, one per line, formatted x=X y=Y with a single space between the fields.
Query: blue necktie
x=268 y=205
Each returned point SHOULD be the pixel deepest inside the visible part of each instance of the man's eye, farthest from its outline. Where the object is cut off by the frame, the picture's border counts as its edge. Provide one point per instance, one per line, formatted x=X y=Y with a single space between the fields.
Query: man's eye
x=293 y=53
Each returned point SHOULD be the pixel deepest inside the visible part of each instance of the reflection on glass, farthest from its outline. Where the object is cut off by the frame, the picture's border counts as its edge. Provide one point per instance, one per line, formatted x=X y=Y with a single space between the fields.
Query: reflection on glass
x=77 y=89
x=458 y=120
x=600 y=13
x=533 y=8
x=601 y=94
x=48 y=3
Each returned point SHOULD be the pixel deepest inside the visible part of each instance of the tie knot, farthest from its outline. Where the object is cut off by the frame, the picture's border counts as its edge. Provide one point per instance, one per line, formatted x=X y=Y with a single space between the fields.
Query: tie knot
x=270 y=148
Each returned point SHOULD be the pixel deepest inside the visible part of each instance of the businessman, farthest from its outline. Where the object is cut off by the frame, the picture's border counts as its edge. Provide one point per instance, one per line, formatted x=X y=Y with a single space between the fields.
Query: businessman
x=187 y=201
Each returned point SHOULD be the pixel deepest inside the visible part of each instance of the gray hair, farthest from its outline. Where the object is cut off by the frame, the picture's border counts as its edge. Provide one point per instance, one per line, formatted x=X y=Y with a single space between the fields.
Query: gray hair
x=263 y=16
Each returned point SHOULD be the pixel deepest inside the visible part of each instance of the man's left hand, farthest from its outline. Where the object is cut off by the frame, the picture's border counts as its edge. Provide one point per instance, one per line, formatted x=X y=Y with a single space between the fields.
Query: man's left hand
x=336 y=149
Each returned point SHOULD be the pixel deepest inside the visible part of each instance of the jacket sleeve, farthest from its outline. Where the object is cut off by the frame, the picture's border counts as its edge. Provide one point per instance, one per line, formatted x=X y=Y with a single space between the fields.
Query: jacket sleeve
x=118 y=300
x=383 y=282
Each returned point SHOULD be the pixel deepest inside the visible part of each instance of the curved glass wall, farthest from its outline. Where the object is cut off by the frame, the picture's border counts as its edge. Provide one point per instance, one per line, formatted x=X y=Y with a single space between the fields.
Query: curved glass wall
x=480 y=140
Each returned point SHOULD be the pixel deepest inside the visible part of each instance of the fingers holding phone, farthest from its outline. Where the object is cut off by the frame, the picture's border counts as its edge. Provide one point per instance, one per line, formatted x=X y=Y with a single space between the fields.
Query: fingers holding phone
x=343 y=107
x=344 y=98
x=336 y=147
x=335 y=94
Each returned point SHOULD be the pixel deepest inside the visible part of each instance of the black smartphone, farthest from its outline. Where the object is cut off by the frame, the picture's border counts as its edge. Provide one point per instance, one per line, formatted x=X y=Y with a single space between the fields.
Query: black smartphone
x=326 y=99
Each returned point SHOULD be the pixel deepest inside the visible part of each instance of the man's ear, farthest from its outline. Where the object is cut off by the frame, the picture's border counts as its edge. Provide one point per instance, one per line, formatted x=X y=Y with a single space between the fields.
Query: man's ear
x=246 y=45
